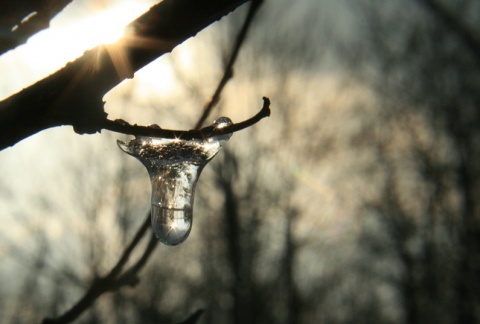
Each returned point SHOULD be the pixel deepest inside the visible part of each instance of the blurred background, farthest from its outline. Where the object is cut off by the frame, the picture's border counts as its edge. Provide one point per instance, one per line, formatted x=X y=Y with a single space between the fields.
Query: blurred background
x=357 y=201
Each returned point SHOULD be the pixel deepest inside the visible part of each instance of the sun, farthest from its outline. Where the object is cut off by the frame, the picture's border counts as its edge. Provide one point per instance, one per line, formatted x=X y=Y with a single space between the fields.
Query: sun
x=73 y=31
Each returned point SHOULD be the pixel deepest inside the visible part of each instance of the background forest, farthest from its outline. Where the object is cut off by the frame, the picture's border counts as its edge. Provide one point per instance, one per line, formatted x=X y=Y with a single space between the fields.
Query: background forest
x=357 y=201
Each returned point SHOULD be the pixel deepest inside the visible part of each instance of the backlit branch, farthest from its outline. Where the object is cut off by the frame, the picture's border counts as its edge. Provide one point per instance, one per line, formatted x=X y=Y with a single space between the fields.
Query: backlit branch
x=228 y=73
x=114 y=280
x=74 y=95
x=121 y=126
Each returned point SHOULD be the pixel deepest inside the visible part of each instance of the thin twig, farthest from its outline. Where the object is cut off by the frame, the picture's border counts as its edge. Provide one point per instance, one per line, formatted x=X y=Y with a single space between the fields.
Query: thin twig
x=112 y=281
x=121 y=126
x=129 y=249
x=227 y=75
x=130 y=276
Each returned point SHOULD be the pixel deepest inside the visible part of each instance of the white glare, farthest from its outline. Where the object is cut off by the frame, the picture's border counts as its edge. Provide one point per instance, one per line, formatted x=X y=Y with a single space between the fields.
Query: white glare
x=51 y=49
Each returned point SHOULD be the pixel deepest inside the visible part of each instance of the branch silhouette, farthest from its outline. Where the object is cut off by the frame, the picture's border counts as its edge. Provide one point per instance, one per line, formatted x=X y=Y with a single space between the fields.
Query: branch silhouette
x=121 y=126
x=228 y=74
x=114 y=280
x=73 y=95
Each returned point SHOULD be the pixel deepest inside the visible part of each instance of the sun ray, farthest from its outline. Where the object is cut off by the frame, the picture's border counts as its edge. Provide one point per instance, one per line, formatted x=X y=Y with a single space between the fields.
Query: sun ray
x=67 y=39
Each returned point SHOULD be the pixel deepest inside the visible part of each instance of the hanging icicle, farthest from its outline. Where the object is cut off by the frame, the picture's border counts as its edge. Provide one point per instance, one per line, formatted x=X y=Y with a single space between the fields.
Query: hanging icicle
x=174 y=166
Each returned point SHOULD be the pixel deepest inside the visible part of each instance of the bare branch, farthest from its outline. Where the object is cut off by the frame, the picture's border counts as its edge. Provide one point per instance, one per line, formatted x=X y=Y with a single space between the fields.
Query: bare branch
x=73 y=95
x=227 y=75
x=129 y=249
x=130 y=276
x=114 y=280
x=121 y=126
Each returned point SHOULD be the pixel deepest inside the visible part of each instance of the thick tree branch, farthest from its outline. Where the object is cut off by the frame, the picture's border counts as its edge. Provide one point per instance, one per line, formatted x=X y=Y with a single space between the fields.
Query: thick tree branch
x=73 y=95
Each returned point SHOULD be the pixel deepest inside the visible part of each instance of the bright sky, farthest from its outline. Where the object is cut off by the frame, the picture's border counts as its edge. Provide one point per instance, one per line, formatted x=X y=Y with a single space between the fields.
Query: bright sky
x=81 y=26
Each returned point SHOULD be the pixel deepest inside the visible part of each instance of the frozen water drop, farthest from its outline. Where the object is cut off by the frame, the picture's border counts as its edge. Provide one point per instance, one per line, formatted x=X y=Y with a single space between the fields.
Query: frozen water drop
x=220 y=123
x=174 y=166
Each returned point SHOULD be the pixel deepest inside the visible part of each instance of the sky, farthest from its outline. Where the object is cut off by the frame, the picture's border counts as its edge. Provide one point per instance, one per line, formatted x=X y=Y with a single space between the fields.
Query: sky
x=80 y=26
